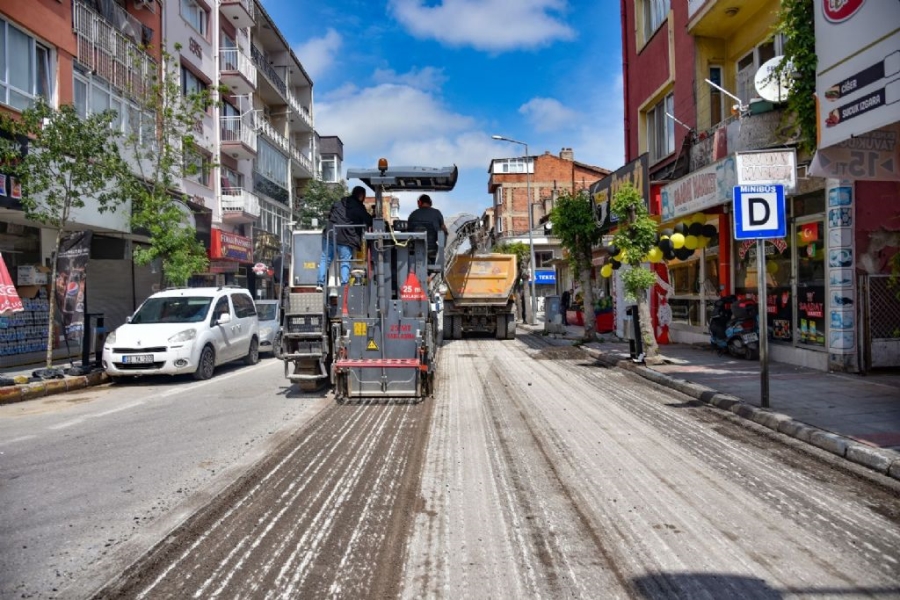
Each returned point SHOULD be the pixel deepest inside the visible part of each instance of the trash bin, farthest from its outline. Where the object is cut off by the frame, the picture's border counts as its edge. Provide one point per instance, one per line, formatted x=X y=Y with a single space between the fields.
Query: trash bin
x=635 y=343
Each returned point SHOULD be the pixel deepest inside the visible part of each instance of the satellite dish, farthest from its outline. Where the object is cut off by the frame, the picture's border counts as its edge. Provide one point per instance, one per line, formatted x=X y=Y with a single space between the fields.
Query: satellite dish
x=769 y=85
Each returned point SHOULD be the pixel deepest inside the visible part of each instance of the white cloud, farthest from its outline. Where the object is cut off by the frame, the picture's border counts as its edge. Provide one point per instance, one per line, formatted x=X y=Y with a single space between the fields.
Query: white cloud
x=548 y=114
x=429 y=79
x=492 y=25
x=317 y=54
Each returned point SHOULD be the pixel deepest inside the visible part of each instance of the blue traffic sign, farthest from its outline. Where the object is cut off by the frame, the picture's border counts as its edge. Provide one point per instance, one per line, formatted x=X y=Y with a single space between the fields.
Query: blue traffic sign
x=759 y=212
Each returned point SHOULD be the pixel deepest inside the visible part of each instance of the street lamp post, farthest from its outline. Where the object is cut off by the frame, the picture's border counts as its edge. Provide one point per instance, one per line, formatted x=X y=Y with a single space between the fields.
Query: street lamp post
x=533 y=273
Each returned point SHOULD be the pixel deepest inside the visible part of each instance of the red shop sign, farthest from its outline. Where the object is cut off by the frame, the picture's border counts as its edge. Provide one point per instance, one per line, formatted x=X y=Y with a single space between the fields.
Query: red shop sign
x=230 y=246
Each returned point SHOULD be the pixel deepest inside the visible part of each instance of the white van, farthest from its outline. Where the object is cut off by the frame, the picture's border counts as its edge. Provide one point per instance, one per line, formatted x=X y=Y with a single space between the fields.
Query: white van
x=185 y=330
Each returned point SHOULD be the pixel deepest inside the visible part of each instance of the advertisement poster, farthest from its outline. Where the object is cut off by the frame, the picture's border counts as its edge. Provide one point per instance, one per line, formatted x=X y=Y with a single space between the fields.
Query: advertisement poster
x=230 y=247
x=601 y=192
x=71 y=264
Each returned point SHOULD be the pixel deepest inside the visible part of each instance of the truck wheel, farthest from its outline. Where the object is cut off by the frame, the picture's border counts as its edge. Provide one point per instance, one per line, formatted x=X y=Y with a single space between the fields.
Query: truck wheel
x=457 y=328
x=510 y=327
x=501 y=327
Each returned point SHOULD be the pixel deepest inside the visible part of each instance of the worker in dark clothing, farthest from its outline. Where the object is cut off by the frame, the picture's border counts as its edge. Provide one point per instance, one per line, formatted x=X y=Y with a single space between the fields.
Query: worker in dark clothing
x=349 y=210
x=564 y=303
x=429 y=219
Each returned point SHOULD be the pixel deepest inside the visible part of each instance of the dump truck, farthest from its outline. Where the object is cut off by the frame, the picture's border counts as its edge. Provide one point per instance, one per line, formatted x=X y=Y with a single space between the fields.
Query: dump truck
x=480 y=296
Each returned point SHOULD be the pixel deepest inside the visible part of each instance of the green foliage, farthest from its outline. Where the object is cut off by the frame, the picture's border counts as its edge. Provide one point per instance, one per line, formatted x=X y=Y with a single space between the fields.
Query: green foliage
x=520 y=249
x=317 y=199
x=68 y=159
x=573 y=223
x=795 y=21
x=636 y=236
x=161 y=160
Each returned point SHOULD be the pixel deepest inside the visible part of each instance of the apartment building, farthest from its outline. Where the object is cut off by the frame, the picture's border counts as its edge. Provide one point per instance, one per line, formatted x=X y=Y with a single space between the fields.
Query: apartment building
x=89 y=53
x=702 y=117
x=260 y=139
x=543 y=176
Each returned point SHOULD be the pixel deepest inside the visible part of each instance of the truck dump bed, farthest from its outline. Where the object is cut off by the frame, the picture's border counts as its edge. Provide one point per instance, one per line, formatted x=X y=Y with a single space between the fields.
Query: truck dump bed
x=486 y=279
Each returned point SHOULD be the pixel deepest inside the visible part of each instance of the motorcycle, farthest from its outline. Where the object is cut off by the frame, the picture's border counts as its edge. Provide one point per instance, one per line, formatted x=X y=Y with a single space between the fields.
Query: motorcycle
x=734 y=327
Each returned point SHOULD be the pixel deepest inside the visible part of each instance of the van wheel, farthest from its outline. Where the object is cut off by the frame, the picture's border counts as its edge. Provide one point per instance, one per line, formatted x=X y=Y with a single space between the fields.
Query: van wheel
x=253 y=354
x=206 y=365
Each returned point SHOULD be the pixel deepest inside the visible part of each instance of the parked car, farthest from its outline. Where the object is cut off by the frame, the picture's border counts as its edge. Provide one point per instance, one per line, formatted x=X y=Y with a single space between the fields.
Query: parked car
x=269 y=312
x=185 y=330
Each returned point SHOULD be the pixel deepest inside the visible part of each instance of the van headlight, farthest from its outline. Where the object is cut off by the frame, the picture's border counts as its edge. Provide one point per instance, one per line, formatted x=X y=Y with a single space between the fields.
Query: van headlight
x=110 y=338
x=183 y=336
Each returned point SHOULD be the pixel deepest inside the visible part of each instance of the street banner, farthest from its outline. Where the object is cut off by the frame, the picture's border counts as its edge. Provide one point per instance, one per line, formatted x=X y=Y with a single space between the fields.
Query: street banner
x=602 y=191
x=71 y=264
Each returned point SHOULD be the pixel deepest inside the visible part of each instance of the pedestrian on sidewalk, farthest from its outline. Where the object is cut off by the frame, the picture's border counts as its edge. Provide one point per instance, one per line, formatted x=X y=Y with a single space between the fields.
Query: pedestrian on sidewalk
x=564 y=302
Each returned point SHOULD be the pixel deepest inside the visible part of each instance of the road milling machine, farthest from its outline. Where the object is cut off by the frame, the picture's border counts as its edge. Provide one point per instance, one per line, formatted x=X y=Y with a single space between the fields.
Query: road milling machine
x=377 y=335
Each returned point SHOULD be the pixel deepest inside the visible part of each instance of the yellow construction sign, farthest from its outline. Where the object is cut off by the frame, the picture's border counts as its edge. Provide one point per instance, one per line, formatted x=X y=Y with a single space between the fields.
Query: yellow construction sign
x=372 y=345
x=360 y=328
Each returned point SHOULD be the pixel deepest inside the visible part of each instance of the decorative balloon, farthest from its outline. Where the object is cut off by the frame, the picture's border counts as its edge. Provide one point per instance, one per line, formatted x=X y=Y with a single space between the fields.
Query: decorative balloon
x=677 y=240
x=616 y=264
x=655 y=255
x=606 y=270
x=680 y=228
x=665 y=245
x=683 y=253
x=699 y=218
x=710 y=231
x=667 y=232
x=695 y=229
x=771 y=267
x=620 y=257
x=691 y=242
x=669 y=254
x=612 y=250
x=703 y=242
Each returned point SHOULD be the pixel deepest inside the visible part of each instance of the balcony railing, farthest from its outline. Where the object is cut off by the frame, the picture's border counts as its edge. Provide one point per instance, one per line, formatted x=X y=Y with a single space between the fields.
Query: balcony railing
x=233 y=60
x=234 y=130
x=301 y=159
x=267 y=130
x=110 y=48
x=239 y=200
x=259 y=59
x=299 y=110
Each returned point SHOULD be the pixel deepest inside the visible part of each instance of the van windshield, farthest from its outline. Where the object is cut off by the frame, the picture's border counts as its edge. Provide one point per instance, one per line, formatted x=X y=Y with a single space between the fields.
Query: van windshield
x=266 y=312
x=179 y=309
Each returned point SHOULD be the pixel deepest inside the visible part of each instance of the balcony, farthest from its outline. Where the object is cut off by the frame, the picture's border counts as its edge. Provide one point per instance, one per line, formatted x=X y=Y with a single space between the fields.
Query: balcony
x=304 y=164
x=273 y=136
x=240 y=13
x=720 y=19
x=299 y=114
x=110 y=46
x=751 y=132
x=268 y=71
x=237 y=71
x=238 y=138
x=239 y=206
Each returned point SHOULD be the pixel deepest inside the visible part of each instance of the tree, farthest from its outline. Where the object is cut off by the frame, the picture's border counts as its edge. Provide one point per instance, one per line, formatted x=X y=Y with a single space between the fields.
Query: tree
x=318 y=197
x=634 y=238
x=523 y=259
x=797 y=23
x=573 y=223
x=163 y=151
x=67 y=160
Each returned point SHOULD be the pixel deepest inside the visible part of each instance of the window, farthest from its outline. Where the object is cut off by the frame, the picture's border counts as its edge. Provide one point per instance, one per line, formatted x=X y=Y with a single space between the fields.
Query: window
x=654 y=13
x=195 y=15
x=25 y=69
x=190 y=83
x=513 y=165
x=330 y=169
x=243 y=306
x=542 y=258
x=231 y=179
x=661 y=129
x=196 y=166
x=498 y=196
x=500 y=224
x=92 y=95
x=750 y=63
x=716 y=98
x=272 y=164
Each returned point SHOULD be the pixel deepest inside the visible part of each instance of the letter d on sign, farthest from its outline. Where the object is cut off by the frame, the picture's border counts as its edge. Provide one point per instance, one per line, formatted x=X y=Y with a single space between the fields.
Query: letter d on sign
x=756 y=205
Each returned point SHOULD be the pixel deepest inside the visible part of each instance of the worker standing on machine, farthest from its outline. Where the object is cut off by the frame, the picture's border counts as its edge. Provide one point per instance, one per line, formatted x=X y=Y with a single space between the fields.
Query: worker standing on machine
x=429 y=219
x=349 y=210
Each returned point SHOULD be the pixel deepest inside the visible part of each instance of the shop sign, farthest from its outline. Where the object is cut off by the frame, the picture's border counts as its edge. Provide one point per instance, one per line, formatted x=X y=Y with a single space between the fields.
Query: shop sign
x=259 y=269
x=872 y=156
x=602 y=191
x=230 y=246
x=773 y=246
x=704 y=188
x=856 y=81
x=545 y=277
x=769 y=167
x=223 y=267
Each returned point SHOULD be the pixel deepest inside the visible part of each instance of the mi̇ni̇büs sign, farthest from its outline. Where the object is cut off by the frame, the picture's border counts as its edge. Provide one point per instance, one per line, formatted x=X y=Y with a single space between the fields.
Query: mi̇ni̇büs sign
x=602 y=191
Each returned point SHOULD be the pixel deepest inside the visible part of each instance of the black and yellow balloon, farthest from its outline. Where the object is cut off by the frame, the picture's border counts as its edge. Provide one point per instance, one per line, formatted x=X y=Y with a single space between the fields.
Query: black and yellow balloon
x=677 y=240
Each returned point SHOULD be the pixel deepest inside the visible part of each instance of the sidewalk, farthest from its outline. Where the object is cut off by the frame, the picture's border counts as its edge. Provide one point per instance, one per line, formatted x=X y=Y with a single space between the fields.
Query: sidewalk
x=854 y=416
x=27 y=387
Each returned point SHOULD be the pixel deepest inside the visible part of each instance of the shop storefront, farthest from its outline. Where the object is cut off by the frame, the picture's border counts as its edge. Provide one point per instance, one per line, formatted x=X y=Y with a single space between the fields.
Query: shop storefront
x=261 y=278
x=230 y=260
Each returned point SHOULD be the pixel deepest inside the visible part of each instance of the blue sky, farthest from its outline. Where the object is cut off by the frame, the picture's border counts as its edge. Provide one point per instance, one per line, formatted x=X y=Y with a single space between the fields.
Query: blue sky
x=427 y=82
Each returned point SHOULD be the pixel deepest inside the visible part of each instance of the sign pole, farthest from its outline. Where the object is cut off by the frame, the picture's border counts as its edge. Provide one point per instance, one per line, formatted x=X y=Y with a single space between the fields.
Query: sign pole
x=763 y=312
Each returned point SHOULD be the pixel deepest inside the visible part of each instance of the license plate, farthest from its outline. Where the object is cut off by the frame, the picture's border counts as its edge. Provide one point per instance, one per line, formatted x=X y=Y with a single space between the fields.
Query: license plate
x=138 y=358
x=750 y=337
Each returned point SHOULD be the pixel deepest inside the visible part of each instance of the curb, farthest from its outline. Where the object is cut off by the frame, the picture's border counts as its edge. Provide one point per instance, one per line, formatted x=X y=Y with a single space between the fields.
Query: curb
x=31 y=391
x=885 y=462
